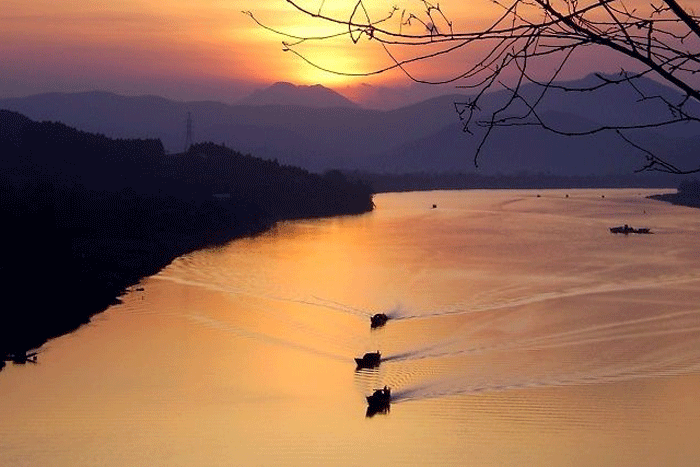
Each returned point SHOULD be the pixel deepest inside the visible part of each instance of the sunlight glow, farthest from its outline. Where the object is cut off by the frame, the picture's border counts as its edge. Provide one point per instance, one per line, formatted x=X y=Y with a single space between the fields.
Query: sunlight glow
x=74 y=44
x=177 y=39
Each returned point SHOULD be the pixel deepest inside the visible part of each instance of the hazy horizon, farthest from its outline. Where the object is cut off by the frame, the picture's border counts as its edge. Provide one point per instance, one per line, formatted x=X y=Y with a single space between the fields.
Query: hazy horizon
x=212 y=51
x=363 y=94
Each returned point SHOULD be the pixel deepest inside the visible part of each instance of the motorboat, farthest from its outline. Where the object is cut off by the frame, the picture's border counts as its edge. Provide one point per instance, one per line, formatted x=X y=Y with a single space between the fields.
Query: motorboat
x=369 y=360
x=22 y=357
x=378 y=320
x=379 y=401
x=626 y=229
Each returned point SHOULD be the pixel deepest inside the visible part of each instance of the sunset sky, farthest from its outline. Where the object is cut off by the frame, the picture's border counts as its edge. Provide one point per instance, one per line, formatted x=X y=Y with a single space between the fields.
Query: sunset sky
x=205 y=49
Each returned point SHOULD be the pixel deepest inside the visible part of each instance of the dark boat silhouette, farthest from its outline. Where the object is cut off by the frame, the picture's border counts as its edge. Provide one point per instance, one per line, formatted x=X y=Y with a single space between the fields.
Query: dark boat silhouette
x=626 y=229
x=369 y=360
x=22 y=357
x=379 y=401
x=372 y=411
x=378 y=320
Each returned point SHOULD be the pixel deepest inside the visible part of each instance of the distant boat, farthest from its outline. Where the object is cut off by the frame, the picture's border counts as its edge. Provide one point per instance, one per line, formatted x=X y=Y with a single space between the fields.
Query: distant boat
x=369 y=360
x=378 y=320
x=626 y=229
x=22 y=357
x=379 y=401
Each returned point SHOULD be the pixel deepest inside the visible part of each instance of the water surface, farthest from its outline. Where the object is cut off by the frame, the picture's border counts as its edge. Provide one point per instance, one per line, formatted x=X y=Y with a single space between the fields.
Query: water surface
x=522 y=333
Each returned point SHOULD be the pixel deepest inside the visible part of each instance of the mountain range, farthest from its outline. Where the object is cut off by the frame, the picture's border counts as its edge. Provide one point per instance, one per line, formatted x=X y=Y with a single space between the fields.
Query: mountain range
x=318 y=129
x=289 y=94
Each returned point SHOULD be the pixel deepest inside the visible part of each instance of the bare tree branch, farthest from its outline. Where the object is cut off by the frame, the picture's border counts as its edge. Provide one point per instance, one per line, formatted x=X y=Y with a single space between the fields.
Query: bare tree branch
x=662 y=40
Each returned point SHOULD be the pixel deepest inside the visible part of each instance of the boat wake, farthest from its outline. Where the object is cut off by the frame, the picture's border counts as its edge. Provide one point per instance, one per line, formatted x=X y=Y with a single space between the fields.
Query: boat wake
x=227 y=289
x=648 y=346
x=495 y=304
x=457 y=386
x=266 y=338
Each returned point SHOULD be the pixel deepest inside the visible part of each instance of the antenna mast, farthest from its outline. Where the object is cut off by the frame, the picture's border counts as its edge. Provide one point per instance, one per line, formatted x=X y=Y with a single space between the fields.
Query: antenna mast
x=188 y=137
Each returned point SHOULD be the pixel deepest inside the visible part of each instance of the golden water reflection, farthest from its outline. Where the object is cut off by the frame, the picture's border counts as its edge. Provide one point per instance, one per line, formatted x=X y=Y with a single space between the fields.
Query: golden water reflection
x=522 y=333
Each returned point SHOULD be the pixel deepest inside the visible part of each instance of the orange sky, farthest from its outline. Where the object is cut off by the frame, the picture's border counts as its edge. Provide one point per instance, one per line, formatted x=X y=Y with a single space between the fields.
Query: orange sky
x=204 y=49
x=77 y=44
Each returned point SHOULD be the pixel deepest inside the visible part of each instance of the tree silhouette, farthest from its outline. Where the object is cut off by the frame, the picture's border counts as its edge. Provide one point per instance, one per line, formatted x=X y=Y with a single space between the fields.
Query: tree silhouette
x=659 y=39
x=95 y=215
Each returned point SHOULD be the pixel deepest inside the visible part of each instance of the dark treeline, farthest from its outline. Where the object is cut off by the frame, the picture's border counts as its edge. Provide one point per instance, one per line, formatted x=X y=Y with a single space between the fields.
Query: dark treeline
x=86 y=216
x=383 y=182
x=687 y=194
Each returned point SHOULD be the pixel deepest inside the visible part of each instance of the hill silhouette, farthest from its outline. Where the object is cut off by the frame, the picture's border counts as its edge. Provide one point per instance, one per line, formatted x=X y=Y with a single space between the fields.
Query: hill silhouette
x=283 y=93
x=422 y=137
x=87 y=216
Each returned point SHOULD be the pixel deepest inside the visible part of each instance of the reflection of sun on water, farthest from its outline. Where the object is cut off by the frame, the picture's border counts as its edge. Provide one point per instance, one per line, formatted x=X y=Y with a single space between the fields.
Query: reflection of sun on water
x=244 y=354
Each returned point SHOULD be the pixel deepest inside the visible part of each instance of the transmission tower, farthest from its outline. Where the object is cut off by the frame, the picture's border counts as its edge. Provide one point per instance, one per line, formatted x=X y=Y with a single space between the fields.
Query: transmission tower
x=188 y=137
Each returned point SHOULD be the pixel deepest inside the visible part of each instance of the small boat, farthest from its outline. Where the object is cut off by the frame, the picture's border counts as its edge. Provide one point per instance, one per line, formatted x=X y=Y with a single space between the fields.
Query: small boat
x=378 y=320
x=379 y=401
x=626 y=229
x=22 y=357
x=369 y=360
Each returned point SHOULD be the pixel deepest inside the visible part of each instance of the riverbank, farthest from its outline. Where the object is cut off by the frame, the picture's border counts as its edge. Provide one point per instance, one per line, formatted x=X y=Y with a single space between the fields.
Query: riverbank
x=587 y=345
x=86 y=217
x=679 y=199
x=98 y=272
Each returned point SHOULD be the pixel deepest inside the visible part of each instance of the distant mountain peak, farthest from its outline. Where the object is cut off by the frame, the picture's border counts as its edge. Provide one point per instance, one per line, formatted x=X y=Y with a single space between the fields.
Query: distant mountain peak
x=285 y=93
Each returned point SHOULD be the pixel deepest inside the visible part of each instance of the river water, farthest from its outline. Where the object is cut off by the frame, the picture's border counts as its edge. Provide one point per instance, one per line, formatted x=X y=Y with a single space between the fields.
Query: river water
x=522 y=332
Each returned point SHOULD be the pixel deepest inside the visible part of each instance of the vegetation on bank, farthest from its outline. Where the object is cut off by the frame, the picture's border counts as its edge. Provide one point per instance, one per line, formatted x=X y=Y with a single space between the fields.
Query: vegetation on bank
x=86 y=216
x=687 y=194
x=423 y=181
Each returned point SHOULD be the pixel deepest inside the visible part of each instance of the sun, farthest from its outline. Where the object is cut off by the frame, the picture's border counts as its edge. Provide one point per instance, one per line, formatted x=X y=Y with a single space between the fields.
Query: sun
x=337 y=63
x=331 y=69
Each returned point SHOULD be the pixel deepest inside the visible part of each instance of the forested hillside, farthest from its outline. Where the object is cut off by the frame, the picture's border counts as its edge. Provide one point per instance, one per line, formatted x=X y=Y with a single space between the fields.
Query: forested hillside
x=86 y=216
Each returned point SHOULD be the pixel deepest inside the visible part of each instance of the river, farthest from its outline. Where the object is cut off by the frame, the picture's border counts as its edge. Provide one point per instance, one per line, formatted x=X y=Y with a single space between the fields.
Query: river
x=521 y=332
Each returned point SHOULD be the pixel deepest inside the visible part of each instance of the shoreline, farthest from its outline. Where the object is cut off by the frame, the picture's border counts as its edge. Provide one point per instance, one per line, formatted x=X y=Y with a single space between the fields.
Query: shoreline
x=678 y=199
x=87 y=217
x=108 y=266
